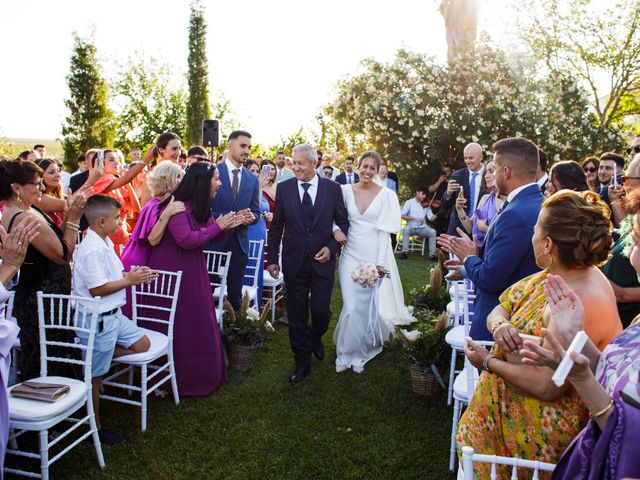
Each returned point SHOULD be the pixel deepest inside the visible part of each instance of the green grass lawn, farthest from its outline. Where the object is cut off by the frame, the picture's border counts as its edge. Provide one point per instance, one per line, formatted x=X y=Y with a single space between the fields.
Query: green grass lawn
x=331 y=426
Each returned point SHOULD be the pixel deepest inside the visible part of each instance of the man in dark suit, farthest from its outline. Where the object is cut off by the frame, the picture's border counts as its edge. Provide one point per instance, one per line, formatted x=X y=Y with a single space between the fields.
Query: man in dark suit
x=507 y=254
x=238 y=193
x=349 y=176
x=307 y=208
x=542 y=178
x=470 y=180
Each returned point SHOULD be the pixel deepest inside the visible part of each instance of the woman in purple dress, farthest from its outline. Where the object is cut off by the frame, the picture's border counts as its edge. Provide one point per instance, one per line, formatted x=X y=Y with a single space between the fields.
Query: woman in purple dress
x=152 y=220
x=197 y=346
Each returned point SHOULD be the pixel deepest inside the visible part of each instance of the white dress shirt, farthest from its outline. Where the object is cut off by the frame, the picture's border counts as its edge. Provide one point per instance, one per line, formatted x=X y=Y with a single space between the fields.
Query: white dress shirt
x=414 y=209
x=231 y=167
x=95 y=264
x=313 y=189
x=542 y=180
x=515 y=192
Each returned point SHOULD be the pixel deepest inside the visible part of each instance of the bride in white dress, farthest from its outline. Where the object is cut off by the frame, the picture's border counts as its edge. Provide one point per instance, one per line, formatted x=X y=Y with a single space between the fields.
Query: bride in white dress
x=374 y=213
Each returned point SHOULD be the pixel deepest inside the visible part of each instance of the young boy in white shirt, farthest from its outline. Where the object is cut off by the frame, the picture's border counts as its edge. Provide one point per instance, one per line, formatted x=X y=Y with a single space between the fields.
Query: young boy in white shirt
x=97 y=271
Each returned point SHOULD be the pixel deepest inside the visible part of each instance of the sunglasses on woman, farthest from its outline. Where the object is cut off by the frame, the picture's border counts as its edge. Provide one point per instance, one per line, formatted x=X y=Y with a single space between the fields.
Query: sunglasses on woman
x=626 y=178
x=590 y=169
x=634 y=149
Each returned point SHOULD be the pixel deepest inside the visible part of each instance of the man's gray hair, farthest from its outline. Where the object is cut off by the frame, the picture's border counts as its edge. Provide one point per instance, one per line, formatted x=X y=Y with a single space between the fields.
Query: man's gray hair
x=312 y=155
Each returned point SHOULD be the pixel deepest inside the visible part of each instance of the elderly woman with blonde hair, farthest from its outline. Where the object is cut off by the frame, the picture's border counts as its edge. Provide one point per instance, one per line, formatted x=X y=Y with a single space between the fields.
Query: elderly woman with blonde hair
x=153 y=218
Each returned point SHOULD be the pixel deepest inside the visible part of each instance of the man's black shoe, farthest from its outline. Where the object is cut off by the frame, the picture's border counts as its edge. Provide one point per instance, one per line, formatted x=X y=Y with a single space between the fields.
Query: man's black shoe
x=299 y=375
x=318 y=352
x=403 y=256
x=109 y=438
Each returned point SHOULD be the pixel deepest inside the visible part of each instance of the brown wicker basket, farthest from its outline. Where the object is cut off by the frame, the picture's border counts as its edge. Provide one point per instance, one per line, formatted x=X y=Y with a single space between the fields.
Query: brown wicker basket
x=241 y=357
x=423 y=380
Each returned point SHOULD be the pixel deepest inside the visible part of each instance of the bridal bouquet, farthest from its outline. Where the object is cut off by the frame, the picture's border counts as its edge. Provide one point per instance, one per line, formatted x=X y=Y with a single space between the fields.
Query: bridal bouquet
x=366 y=275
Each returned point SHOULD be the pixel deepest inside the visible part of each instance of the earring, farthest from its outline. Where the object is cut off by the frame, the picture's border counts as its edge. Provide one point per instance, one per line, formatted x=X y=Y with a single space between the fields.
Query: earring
x=544 y=254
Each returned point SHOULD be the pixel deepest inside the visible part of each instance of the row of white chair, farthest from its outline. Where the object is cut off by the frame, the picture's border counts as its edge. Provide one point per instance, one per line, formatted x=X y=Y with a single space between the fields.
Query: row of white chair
x=155 y=303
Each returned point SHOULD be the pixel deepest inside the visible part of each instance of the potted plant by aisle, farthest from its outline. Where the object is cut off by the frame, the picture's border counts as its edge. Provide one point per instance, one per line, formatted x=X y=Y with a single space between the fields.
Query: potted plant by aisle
x=425 y=348
x=434 y=296
x=244 y=332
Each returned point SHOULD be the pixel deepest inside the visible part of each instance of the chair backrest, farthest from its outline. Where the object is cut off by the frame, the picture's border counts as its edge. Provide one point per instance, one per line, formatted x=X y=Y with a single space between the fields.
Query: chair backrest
x=6 y=309
x=463 y=298
x=217 y=268
x=59 y=322
x=469 y=458
x=156 y=301
x=255 y=262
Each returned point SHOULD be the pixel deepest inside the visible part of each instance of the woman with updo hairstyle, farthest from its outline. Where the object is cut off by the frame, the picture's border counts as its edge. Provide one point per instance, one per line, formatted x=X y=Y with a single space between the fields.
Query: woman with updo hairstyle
x=517 y=410
x=46 y=265
x=166 y=147
x=567 y=175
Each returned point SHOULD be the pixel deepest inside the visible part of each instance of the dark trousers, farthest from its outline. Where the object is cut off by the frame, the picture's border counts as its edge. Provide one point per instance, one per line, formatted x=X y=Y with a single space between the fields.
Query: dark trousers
x=307 y=291
x=235 y=277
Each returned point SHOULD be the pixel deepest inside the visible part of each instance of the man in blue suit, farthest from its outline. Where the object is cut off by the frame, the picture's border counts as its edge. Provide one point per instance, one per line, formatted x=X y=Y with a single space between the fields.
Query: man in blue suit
x=348 y=176
x=470 y=180
x=307 y=208
x=238 y=193
x=507 y=254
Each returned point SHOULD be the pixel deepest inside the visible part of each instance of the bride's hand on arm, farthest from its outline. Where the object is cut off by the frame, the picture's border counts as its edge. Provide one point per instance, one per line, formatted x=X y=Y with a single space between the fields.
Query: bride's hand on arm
x=340 y=237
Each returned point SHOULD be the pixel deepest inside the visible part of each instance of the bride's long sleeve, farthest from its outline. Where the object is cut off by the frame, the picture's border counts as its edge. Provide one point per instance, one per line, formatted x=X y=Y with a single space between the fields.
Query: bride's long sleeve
x=388 y=222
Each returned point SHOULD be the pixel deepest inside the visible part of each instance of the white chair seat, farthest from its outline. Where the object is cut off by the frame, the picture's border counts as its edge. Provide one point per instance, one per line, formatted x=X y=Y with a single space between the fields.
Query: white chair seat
x=455 y=337
x=159 y=343
x=460 y=387
x=253 y=292
x=23 y=409
x=269 y=281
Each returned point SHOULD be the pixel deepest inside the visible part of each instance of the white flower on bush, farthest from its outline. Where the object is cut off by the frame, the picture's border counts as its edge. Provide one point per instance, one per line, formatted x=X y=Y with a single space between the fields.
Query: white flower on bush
x=253 y=314
x=411 y=335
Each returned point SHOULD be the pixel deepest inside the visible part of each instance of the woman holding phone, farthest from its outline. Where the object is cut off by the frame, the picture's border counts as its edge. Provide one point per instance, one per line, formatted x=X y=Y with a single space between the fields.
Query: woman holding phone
x=269 y=187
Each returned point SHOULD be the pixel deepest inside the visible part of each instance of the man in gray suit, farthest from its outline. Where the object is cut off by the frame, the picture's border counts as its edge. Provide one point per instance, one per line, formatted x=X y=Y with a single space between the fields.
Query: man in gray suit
x=281 y=172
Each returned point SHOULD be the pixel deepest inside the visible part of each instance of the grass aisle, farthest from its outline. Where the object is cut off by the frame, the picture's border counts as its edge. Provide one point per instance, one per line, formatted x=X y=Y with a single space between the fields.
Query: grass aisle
x=346 y=426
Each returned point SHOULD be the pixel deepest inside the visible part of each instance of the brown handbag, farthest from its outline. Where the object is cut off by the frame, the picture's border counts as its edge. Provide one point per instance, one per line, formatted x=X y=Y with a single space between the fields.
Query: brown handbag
x=43 y=392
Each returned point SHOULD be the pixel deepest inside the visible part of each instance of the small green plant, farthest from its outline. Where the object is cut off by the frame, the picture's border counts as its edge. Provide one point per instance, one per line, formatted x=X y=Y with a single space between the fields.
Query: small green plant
x=433 y=296
x=425 y=343
x=246 y=326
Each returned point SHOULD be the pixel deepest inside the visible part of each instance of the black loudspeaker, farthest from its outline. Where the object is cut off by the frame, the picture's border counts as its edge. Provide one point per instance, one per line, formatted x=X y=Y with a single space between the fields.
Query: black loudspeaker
x=210 y=133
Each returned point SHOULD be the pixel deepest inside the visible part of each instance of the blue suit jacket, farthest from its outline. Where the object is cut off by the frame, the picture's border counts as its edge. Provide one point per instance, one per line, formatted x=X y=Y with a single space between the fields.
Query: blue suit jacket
x=288 y=225
x=342 y=178
x=223 y=203
x=507 y=256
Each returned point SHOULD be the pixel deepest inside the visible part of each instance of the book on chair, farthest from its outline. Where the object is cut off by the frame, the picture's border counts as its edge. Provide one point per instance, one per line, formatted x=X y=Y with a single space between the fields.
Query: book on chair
x=44 y=392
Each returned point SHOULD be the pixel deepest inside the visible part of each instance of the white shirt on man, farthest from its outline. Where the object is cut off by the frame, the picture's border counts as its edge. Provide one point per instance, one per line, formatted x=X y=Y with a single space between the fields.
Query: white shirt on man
x=414 y=209
x=542 y=180
x=313 y=189
x=231 y=167
x=95 y=264
x=516 y=191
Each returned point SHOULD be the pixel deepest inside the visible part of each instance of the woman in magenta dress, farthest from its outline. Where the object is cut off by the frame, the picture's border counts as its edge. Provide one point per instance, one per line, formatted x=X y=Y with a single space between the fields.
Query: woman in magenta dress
x=197 y=346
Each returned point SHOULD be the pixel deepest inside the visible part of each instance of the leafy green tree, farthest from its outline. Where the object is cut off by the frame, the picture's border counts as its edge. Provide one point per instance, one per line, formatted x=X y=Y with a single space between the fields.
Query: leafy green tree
x=419 y=114
x=148 y=103
x=197 y=74
x=591 y=42
x=90 y=121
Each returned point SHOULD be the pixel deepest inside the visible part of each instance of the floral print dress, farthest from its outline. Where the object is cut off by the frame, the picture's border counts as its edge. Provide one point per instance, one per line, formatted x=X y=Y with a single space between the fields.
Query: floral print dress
x=501 y=420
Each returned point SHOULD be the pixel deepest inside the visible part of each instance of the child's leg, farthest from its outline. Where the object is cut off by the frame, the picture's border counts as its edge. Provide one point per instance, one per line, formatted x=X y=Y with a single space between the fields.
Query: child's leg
x=95 y=393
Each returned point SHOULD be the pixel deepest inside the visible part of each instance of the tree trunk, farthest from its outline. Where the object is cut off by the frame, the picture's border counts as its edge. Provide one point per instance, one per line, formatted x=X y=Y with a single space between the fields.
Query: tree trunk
x=461 y=21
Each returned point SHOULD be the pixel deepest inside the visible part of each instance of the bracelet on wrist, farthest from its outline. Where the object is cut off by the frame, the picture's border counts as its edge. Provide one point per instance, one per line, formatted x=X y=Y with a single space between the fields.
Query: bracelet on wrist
x=495 y=326
x=485 y=362
x=603 y=411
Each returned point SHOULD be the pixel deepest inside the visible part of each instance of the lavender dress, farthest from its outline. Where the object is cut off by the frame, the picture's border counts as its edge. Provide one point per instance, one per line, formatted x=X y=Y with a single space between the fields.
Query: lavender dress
x=486 y=211
x=197 y=346
x=613 y=452
x=8 y=334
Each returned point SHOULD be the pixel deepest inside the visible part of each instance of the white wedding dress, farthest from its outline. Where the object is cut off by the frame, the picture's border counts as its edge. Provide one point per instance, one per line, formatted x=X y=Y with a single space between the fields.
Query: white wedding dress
x=359 y=337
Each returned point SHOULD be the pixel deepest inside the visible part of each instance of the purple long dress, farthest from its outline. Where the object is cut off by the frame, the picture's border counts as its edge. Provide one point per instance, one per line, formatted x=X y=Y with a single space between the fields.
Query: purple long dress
x=487 y=211
x=197 y=346
x=138 y=249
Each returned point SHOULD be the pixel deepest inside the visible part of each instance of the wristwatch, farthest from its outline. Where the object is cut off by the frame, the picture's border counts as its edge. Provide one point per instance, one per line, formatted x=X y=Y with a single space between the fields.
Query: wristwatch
x=485 y=362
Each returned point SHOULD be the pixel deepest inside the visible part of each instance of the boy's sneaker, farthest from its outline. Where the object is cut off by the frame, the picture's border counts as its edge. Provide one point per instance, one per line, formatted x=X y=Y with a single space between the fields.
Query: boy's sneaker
x=108 y=437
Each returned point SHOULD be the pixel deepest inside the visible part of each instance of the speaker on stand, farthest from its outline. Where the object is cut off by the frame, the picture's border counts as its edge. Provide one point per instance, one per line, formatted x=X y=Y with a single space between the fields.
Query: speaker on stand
x=211 y=135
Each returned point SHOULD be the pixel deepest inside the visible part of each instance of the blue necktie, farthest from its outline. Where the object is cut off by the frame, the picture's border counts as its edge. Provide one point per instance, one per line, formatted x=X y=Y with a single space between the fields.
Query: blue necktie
x=348 y=178
x=472 y=193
